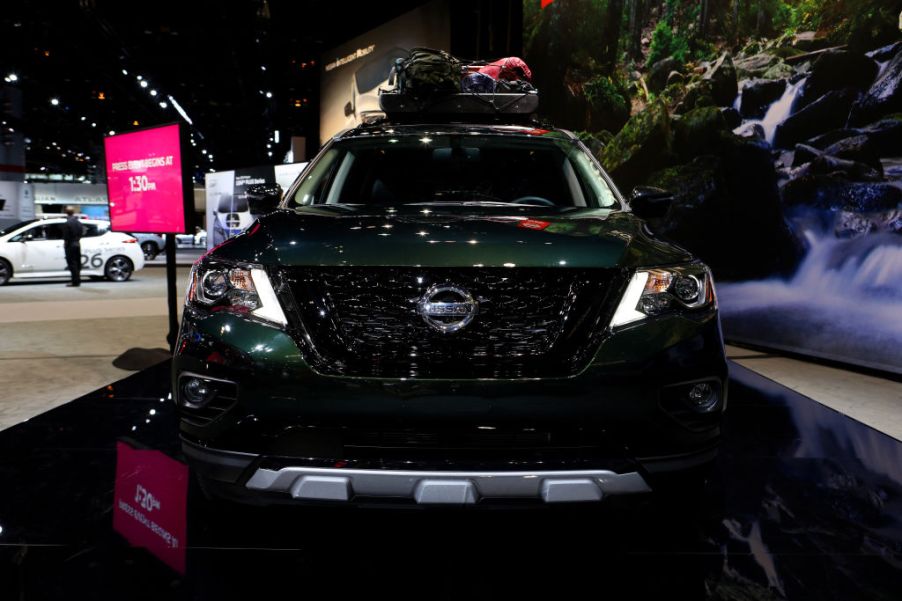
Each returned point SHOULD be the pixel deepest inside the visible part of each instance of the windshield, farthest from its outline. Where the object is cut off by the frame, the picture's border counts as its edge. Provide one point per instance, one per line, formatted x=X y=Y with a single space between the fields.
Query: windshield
x=14 y=227
x=455 y=169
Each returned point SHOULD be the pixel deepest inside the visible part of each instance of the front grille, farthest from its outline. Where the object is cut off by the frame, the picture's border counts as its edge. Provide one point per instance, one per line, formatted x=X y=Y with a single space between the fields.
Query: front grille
x=531 y=322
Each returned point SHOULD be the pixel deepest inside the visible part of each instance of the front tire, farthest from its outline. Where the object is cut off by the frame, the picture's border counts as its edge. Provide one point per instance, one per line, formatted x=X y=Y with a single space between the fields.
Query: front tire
x=150 y=250
x=6 y=271
x=118 y=269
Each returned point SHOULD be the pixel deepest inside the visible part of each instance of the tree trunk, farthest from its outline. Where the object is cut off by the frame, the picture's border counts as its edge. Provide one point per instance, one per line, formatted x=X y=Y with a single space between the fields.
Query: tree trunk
x=634 y=45
x=761 y=25
x=611 y=39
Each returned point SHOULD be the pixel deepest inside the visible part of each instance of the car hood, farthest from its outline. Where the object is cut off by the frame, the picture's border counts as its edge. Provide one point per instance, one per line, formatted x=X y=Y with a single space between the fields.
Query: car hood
x=451 y=236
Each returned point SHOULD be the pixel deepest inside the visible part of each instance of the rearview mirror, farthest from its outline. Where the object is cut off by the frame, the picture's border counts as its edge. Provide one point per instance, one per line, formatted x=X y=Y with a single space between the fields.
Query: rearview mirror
x=650 y=203
x=349 y=109
x=263 y=198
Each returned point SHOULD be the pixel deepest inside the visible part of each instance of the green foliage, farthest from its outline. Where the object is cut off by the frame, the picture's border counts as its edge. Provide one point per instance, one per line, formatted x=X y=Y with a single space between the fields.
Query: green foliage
x=608 y=101
x=661 y=41
x=606 y=91
x=664 y=43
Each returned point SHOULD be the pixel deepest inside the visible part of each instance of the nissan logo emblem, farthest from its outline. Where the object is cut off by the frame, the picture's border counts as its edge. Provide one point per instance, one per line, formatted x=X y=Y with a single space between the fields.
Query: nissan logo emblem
x=447 y=308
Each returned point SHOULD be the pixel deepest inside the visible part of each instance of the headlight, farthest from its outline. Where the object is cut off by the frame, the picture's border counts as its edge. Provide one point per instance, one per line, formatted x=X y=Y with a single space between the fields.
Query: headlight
x=243 y=290
x=666 y=290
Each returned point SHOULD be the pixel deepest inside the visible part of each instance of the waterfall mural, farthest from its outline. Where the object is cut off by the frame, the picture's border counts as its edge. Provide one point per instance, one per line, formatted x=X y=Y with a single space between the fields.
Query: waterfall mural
x=782 y=146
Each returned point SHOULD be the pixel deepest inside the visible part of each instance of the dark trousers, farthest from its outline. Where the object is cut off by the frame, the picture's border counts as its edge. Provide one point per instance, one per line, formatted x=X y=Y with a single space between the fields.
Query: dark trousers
x=73 y=262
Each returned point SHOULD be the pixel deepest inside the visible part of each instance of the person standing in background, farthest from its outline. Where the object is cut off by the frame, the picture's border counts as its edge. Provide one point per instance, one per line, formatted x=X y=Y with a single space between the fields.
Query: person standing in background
x=72 y=232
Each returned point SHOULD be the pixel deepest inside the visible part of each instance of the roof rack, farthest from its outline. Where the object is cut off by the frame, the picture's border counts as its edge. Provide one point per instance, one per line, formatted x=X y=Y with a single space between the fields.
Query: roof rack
x=470 y=106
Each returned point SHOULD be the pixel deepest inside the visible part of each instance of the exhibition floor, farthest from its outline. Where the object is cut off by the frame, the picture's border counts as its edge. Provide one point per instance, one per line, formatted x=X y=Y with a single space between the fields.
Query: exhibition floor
x=804 y=503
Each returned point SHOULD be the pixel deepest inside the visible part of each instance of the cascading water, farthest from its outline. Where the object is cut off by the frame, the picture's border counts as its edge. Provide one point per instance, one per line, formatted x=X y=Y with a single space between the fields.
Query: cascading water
x=780 y=110
x=843 y=301
x=777 y=112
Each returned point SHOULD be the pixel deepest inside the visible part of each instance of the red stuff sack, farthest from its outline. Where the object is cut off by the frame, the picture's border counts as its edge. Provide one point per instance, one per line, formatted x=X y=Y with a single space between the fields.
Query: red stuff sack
x=511 y=68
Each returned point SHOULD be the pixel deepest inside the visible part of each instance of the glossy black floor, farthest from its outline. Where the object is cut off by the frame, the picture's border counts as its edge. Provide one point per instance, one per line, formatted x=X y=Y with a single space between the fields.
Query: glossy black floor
x=804 y=504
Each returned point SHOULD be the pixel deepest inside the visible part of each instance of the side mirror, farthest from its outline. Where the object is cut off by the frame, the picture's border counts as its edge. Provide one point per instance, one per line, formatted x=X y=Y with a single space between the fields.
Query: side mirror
x=650 y=203
x=263 y=198
x=349 y=109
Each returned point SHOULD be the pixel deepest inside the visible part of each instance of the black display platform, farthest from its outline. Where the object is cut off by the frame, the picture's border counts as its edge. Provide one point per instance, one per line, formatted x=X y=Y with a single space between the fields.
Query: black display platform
x=805 y=503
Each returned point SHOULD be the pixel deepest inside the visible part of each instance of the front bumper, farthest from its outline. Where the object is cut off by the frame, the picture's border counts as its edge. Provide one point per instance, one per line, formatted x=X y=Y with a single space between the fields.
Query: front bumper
x=244 y=476
x=287 y=423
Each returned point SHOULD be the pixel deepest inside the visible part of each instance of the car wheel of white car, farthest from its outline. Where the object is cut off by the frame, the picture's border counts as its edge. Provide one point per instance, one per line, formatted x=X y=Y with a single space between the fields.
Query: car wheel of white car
x=118 y=269
x=6 y=272
x=150 y=250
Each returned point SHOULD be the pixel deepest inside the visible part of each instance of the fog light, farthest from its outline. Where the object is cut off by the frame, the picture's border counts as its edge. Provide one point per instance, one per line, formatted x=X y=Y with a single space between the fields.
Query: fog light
x=701 y=397
x=196 y=392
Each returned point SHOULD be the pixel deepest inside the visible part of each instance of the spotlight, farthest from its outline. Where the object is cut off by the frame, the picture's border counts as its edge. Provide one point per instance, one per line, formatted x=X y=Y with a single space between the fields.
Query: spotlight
x=55 y=101
x=143 y=84
x=12 y=77
x=163 y=104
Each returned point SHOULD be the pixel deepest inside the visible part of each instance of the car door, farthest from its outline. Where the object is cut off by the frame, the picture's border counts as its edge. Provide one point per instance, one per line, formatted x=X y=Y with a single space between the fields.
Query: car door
x=94 y=247
x=44 y=248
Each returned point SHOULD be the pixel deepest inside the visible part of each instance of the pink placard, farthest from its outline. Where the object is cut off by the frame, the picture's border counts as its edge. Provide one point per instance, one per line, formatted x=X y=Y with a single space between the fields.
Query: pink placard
x=150 y=503
x=144 y=181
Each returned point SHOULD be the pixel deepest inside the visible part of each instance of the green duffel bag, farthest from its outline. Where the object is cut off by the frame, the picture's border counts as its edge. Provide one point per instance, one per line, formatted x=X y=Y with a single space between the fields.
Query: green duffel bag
x=426 y=71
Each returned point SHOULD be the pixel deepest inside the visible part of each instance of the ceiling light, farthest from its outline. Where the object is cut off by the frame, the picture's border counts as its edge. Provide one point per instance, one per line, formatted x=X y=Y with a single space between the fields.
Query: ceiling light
x=12 y=77
x=124 y=72
x=153 y=92
x=163 y=104
x=112 y=133
x=55 y=101
x=180 y=110
x=269 y=94
x=93 y=124
x=140 y=78
x=143 y=84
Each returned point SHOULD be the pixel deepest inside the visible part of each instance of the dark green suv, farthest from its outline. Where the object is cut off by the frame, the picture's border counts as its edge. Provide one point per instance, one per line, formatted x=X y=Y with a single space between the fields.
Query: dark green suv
x=449 y=314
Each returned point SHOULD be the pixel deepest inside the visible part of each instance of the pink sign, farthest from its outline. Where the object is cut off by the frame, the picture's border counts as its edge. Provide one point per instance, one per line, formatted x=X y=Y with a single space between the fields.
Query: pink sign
x=150 y=503
x=144 y=181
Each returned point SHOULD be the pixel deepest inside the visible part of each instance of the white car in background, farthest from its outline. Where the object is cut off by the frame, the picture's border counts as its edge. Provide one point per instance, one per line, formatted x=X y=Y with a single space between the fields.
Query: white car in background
x=34 y=249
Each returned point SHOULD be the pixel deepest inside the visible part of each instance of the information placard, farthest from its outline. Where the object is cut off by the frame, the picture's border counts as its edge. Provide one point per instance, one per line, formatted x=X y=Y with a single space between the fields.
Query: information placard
x=145 y=183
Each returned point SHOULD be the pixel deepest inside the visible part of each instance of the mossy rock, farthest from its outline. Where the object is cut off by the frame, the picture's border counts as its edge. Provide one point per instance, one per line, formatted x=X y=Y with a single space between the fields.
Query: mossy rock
x=697 y=93
x=724 y=83
x=778 y=71
x=595 y=141
x=727 y=208
x=643 y=145
x=752 y=47
x=699 y=131
x=608 y=103
x=786 y=52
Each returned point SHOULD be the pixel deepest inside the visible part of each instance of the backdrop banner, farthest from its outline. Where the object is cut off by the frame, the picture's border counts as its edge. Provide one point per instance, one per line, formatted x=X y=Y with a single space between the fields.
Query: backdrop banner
x=353 y=72
x=777 y=126
x=228 y=213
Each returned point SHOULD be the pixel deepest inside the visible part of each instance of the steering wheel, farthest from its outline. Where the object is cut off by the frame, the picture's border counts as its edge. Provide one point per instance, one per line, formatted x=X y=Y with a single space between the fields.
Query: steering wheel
x=533 y=200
